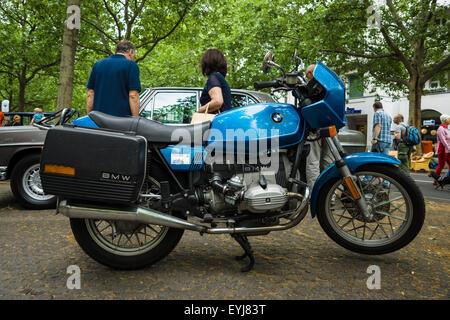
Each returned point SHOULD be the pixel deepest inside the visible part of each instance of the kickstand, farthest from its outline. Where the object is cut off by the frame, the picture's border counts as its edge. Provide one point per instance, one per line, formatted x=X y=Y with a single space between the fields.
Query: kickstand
x=243 y=242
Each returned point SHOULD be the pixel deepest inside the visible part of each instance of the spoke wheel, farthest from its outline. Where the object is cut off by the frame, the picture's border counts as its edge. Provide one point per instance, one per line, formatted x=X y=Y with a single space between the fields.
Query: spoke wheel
x=396 y=211
x=125 y=238
x=125 y=245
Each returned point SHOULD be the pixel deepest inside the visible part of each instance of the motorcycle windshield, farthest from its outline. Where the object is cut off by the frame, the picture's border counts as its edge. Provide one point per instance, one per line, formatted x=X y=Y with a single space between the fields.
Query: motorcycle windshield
x=331 y=109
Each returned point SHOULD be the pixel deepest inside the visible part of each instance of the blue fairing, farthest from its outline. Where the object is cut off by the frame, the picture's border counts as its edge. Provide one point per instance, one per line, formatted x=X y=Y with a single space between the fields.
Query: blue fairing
x=85 y=122
x=331 y=109
x=353 y=161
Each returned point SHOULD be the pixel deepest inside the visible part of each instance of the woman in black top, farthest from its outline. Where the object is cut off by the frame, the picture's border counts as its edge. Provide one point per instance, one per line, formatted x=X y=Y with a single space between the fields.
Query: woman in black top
x=216 y=95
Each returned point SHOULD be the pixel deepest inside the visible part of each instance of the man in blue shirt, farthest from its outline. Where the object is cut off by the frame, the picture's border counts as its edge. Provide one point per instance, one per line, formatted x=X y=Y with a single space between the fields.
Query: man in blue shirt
x=381 y=141
x=114 y=84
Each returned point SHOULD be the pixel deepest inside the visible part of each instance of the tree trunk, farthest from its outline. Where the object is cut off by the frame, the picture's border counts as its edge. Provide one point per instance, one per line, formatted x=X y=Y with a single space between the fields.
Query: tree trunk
x=21 y=102
x=415 y=106
x=66 y=69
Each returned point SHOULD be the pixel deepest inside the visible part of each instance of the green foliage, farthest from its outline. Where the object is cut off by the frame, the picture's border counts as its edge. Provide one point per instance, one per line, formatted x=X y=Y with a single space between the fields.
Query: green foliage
x=172 y=35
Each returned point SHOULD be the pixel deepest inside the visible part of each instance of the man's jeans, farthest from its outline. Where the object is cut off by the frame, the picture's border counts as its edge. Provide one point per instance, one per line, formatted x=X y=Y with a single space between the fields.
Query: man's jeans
x=380 y=147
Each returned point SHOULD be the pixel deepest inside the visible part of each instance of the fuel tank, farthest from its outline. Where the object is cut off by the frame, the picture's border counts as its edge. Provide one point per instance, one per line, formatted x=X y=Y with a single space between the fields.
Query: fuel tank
x=269 y=124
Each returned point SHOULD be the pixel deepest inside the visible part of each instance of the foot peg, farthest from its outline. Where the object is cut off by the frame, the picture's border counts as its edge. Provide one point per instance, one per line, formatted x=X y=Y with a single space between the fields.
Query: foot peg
x=245 y=244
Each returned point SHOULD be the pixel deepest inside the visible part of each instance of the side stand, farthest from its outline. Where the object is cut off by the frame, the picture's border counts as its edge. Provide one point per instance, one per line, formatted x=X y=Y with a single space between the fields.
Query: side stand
x=245 y=244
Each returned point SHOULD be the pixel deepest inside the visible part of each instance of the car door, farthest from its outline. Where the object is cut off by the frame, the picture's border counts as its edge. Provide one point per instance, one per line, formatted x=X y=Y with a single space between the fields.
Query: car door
x=240 y=100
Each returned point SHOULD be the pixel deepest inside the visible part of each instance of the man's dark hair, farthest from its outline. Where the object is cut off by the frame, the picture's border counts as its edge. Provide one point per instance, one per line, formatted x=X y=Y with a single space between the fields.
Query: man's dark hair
x=124 y=46
x=377 y=105
x=212 y=61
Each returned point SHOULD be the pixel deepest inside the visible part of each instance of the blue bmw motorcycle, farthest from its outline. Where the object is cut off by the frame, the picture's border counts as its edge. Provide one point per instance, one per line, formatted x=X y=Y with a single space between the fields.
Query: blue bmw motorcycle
x=132 y=186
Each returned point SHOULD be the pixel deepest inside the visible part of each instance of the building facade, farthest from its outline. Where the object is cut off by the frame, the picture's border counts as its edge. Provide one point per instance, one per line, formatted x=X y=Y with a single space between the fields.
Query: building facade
x=435 y=102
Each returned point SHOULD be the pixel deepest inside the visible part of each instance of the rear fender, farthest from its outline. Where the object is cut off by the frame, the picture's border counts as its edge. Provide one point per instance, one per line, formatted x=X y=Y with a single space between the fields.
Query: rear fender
x=353 y=161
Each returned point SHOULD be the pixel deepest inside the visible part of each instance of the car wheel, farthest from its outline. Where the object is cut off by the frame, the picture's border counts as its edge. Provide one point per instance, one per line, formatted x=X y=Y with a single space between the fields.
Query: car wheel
x=26 y=184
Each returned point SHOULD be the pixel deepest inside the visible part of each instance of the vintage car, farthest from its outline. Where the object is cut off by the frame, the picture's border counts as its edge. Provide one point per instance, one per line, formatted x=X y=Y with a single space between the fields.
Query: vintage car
x=21 y=146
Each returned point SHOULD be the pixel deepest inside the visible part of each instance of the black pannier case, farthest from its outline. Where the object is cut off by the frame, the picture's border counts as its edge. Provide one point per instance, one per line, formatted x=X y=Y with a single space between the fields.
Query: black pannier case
x=93 y=164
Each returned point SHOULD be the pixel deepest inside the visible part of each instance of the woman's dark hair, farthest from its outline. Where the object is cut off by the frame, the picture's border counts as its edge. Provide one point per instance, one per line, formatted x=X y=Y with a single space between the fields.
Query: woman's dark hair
x=212 y=61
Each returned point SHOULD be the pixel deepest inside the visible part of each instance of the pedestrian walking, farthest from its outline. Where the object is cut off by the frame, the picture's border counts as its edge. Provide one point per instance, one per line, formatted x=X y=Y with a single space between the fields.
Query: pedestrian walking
x=443 y=140
x=2 y=118
x=114 y=83
x=381 y=136
x=404 y=151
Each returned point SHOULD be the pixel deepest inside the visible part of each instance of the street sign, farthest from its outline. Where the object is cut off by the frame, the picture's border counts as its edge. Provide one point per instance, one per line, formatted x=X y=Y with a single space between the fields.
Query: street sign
x=5 y=106
x=429 y=122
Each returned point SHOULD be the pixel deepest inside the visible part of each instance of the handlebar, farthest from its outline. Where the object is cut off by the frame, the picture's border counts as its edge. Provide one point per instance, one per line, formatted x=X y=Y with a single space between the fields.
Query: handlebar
x=267 y=84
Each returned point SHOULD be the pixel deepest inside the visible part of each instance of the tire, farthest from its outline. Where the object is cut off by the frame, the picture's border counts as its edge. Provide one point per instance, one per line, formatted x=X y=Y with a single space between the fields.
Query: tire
x=396 y=230
x=26 y=184
x=104 y=254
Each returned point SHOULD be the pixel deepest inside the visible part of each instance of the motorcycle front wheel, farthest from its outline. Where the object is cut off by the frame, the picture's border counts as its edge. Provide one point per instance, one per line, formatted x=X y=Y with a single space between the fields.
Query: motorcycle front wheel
x=395 y=204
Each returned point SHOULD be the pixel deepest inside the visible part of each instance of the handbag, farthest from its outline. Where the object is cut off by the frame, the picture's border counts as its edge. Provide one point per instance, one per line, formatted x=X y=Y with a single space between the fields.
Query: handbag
x=199 y=117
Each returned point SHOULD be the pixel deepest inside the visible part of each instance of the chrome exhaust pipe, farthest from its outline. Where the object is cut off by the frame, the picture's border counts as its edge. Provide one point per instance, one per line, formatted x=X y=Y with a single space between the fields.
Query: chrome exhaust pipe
x=149 y=216
x=133 y=214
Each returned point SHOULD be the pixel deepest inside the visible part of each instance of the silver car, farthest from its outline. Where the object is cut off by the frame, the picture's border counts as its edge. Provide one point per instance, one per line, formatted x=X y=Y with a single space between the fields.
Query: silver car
x=176 y=105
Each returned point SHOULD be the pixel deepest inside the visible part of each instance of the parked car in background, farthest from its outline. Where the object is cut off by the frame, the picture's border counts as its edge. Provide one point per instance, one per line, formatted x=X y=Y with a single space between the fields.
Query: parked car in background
x=20 y=152
x=21 y=146
x=176 y=105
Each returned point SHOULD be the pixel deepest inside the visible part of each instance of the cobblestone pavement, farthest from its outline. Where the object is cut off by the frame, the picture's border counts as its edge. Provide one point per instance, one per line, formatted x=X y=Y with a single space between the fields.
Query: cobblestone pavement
x=36 y=247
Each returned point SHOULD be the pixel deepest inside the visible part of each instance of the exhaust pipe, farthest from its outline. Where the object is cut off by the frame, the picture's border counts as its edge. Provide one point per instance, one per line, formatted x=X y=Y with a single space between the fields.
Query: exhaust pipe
x=149 y=216
x=133 y=214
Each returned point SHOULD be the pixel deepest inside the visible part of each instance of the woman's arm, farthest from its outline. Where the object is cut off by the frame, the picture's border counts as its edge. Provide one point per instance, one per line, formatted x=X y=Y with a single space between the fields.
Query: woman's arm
x=216 y=102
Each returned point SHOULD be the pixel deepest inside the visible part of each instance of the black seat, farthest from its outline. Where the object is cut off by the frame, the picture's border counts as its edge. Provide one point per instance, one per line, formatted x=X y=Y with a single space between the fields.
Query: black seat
x=154 y=131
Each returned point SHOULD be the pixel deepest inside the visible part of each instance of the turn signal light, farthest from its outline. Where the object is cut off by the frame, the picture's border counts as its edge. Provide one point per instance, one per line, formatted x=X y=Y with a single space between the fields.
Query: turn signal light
x=332 y=130
x=351 y=186
x=52 y=168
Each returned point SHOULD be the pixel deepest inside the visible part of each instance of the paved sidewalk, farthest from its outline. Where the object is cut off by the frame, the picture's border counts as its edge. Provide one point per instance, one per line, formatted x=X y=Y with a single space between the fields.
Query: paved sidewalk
x=36 y=247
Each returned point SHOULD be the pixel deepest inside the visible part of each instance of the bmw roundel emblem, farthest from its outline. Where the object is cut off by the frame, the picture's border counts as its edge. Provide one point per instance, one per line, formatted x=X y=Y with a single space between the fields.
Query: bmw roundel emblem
x=277 y=117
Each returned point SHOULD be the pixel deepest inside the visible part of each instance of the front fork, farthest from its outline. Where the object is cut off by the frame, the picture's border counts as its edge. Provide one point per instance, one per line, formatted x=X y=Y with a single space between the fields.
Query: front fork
x=350 y=180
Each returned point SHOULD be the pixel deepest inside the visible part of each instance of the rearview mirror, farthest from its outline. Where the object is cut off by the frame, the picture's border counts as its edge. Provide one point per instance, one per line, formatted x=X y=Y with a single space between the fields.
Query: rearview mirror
x=267 y=62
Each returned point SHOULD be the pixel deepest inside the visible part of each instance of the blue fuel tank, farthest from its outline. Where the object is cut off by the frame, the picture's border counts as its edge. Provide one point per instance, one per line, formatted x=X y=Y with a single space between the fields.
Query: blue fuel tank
x=258 y=123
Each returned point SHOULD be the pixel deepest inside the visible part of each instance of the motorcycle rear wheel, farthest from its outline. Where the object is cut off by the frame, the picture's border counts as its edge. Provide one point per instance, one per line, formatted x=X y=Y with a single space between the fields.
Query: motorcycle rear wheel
x=396 y=204
x=123 y=245
x=126 y=245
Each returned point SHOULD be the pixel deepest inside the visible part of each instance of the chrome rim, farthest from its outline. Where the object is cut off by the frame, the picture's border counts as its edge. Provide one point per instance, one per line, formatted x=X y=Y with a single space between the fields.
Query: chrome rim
x=390 y=209
x=125 y=238
x=32 y=185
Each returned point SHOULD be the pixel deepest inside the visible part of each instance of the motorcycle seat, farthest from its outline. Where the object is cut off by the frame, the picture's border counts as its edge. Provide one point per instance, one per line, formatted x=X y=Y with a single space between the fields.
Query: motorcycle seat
x=154 y=131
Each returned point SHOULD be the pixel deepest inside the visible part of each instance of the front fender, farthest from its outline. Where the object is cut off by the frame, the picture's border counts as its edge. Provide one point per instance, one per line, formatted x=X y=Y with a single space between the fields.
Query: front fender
x=354 y=161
